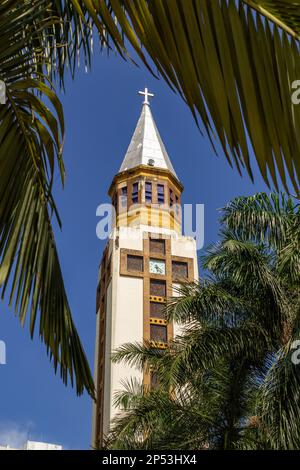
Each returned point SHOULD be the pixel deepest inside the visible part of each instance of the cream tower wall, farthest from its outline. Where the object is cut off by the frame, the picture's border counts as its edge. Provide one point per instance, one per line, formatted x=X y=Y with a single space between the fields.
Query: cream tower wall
x=124 y=324
x=124 y=311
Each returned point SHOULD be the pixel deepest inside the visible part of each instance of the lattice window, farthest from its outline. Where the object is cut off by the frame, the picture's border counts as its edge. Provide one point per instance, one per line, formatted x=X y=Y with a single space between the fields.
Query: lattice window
x=158 y=310
x=157 y=246
x=160 y=194
x=157 y=288
x=154 y=383
x=158 y=333
x=135 y=263
x=148 y=191
x=179 y=269
x=135 y=193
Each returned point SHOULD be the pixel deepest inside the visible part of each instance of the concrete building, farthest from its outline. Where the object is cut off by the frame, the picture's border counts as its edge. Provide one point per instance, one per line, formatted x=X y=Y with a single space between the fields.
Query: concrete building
x=33 y=445
x=145 y=258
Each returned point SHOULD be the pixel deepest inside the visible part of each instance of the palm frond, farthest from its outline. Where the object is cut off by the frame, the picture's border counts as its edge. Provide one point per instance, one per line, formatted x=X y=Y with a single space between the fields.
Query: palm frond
x=289 y=255
x=230 y=379
x=70 y=39
x=284 y=12
x=29 y=260
x=204 y=302
x=125 y=397
x=233 y=66
x=205 y=413
x=137 y=354
x=261 y=218
x=279 y=402
x=31 y=138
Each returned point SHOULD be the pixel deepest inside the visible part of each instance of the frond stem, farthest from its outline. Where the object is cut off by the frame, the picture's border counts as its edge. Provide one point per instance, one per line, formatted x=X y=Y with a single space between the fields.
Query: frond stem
x=272 y=18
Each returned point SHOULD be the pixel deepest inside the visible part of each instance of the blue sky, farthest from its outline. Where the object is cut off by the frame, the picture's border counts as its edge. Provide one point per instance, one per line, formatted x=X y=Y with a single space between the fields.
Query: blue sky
x=101 y=111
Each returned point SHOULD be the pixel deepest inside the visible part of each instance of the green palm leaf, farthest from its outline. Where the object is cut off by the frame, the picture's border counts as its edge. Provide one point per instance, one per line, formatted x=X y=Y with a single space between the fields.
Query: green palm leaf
x=284 y=12
x=230 y=379
x=31 y=138
x=273 y=220
x=232 y=62
x=279 y=402
x=262 y=218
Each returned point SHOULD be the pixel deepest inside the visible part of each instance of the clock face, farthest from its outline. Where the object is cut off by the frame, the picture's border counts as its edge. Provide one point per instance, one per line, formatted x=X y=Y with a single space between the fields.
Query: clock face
x=157 y=266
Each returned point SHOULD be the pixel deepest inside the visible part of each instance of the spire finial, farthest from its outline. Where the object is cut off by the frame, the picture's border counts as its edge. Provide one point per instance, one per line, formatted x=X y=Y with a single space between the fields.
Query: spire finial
x=147 y=95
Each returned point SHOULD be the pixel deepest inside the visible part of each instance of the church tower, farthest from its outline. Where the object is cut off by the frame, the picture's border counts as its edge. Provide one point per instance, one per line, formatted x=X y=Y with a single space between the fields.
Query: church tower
x=145 y=258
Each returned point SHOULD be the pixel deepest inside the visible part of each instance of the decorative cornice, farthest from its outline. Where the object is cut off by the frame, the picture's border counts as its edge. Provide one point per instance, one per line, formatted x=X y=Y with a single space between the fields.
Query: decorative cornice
x=144 y=170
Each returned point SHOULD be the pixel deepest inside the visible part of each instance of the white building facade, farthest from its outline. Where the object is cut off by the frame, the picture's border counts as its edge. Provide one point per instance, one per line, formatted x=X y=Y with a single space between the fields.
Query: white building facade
x=33 y=445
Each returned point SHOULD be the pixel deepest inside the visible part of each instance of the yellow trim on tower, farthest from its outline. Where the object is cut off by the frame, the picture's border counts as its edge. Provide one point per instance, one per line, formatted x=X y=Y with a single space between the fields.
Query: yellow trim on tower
x=155 y=298
x=157 y=321
x=158 y=345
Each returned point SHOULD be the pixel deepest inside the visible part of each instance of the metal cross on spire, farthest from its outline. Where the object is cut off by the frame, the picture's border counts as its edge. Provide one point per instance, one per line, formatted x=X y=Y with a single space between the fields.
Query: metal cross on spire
x=147 y=95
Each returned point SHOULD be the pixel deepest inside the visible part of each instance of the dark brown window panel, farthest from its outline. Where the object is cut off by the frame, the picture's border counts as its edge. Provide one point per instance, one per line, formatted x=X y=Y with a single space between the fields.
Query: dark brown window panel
x=135 y=193
x=158 y=310
x=157 y=288
x=154 y=383
x=157 y=246
x=135 y=263
x=160 y=194
x=148 y=191
x=179 y=269
x=158 y=333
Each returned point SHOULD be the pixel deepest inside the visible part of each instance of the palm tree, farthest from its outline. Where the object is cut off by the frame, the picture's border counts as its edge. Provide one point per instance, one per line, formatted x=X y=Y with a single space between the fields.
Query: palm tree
x=233 y=62
x=228 y=381
x=31 y=137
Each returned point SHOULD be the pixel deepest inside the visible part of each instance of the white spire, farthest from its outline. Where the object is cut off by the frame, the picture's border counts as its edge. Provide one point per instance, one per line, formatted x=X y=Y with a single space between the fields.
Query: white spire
x=146 y=146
